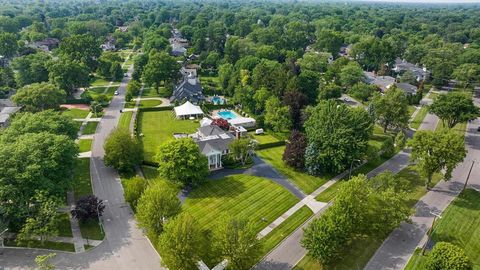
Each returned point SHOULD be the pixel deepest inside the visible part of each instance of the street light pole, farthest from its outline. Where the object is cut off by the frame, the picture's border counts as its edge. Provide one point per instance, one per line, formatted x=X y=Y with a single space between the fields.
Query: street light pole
x=429 y=232
x=468 y=176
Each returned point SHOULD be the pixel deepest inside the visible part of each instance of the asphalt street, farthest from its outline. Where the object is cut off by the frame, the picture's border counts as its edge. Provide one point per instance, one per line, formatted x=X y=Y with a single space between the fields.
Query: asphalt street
x=125 y=246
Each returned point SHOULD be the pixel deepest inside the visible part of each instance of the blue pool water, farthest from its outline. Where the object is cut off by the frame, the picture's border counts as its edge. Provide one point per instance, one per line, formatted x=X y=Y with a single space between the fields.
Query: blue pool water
x=227 y=115
x=217 y=100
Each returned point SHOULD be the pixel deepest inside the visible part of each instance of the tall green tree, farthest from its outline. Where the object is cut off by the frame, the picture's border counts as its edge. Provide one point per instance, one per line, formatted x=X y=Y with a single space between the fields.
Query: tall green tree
x=436 y=151
x=181 y=161
x=236 y=240
x=34 y=161
x=351 y=74
x=8 y=44
x=31 y=68
x=391 y=108
x=336 y=135
x=277 y=116
x=182 y=244
x=68 y=75
x=82 y=48
x=467 y=74
x=329 y=40
x=43 y=222
x=46 y=121
x=158 y=203
x=122 y=151
x=161 y=67
x=39 y=96
x=454 y=108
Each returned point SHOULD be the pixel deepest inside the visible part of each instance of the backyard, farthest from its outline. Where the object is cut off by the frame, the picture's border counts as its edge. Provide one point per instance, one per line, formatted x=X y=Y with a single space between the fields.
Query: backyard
x=264 y=138
x=242 y=196
x=460 y=225
x=159 y=126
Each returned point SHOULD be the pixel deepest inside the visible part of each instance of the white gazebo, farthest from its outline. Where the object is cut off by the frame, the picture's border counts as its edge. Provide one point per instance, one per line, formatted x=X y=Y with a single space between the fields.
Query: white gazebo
x=187 y=110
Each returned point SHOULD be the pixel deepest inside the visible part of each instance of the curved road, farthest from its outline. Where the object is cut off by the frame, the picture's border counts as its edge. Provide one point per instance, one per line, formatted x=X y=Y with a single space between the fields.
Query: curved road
x=125 y=246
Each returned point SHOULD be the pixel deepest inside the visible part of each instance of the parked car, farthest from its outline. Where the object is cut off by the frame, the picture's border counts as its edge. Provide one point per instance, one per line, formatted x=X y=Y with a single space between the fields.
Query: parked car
x=478 y=129
x=116 y=93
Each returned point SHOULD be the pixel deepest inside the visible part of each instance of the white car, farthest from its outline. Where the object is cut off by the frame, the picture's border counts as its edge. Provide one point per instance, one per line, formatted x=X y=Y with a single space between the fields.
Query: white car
x=116 y=93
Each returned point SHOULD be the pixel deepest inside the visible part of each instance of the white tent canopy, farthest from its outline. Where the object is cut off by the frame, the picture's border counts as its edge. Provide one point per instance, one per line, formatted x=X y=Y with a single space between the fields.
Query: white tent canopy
x=187 y=109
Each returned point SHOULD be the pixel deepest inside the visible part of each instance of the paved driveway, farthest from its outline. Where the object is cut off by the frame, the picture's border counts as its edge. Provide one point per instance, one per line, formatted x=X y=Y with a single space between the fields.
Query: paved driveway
x=125 y=246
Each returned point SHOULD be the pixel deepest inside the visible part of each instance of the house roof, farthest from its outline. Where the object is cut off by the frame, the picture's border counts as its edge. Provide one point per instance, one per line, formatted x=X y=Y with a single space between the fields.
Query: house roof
x=187 y=108
x=188 y=89
x=215 y=143
x=407 y=88
x=383 y=82
x=210 y=130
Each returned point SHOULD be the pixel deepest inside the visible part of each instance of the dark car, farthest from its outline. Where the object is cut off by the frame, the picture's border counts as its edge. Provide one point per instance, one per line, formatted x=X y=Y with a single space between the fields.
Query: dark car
x=478 y=129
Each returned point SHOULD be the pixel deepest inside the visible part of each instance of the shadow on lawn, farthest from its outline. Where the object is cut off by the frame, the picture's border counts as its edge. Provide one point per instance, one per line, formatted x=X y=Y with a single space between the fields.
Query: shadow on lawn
x=218 y=188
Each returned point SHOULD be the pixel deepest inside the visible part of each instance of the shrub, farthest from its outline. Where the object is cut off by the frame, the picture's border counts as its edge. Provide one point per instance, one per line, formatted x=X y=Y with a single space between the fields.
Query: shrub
x=447 y=256
x=133 y=189
x=88 y=207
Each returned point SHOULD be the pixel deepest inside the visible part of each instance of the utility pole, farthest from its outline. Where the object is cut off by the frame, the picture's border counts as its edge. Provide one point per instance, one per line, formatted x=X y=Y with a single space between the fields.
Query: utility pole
x=430 y=230
x=468 y=176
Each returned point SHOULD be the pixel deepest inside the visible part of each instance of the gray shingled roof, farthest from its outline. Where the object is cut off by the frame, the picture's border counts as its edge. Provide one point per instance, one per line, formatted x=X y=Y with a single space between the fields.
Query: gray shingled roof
x=407 y=88
x=187 y=91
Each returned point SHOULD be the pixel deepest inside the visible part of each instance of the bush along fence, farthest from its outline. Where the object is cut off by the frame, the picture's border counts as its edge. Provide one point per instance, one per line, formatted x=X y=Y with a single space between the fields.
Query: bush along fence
x=270 y=145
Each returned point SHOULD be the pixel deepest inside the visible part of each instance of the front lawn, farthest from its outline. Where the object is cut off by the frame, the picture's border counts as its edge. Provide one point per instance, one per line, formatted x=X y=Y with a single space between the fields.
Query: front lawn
x=82 y=185
x=307 y=183
x=125 y=119
x=99 y=81
x=287 y=227
x=85 y=145
x=362 y=249
x=244 y=196
x=458 y=128
x=151 y=92
x=64 y=227
x=76 y=113
x=459 y=225
x=37 y=244
x=158 y=127
x=150 y=103
x=91 y=230
x=417 y=121
x=90 y=128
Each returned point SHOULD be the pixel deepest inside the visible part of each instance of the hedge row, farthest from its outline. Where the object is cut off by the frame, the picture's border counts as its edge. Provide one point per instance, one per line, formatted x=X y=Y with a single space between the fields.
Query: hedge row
x=78 y=101
x=150 y=163
x=270 y=145
x=155 y=109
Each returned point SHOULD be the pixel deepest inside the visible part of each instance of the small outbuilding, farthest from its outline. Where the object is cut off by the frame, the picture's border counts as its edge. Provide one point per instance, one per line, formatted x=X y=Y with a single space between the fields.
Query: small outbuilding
x=187 y=110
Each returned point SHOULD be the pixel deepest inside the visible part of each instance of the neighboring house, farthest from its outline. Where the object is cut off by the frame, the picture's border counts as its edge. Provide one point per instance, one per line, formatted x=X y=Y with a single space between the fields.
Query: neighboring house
x=382 y=82
x=189 y=89
x=421 y=73
x=407 y=88
x=45 y=45
x=345 y=50
x=213 y=143
x=109 y=45
x=178 y=50
x=6 y=113
x=123 y=28
x=190 y=69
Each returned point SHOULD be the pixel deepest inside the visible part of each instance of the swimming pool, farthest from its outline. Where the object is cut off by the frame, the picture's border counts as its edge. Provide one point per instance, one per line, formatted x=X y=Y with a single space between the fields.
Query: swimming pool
x=217 y=100
x=227 y=115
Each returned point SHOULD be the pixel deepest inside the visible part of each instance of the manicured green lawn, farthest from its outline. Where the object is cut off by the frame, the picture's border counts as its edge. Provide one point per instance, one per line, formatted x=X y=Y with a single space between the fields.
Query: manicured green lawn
x=286 y=228
x=99 y=81
x=362 y=249
x=108 y=91
x=78 y=124
x=85 y=145
x=91 y=230
x=241 y=196
x=150 y=103
x=458 y=128
x=417 y=121
x=76 y=113
x=417 y=261
x=459 y=225
x=307 y=183
x=263 y=138
x=329 y=193
x=411 y=109
x=90 y=128
x=125 y=119
x=151 y=92
x=47 y=245
x=82 y=185
x=63 y=226
x=158 y=127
